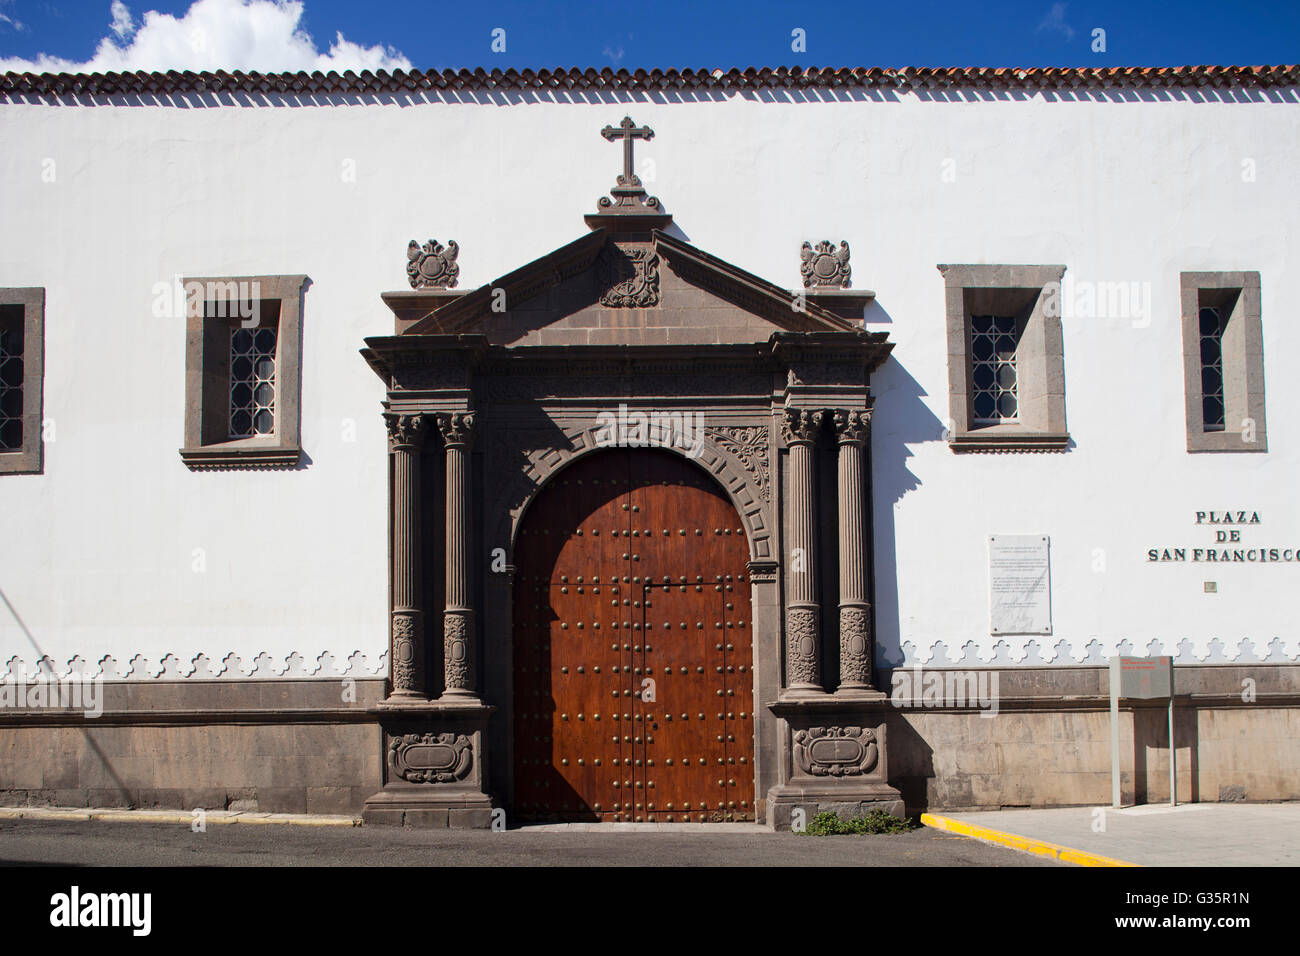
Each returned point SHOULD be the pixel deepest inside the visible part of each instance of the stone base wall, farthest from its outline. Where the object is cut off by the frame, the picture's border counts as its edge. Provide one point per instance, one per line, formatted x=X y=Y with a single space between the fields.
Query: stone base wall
x=1049 y=742
x=271 y=746
x=294 y=747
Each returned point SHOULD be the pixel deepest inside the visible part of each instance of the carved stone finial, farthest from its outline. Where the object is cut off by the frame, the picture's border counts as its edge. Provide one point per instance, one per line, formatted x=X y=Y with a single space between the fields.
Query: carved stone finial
x=801 y=424
x=825 y=266
x=432 y=266
x=404 y=431
x=629 y=195
x=852 y=424
x=457 y=427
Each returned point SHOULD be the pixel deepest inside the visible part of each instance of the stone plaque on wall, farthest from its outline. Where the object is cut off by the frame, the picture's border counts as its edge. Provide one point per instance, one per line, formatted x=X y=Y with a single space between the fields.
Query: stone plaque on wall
x=1020 y=598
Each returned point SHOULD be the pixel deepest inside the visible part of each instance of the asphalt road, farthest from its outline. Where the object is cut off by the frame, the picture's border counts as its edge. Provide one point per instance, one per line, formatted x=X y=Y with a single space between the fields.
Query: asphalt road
x=101 y=843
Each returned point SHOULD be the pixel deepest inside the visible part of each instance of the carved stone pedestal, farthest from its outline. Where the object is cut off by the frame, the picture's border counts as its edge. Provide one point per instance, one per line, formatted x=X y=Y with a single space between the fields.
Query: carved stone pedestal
x=835 y=760
x=434 y=767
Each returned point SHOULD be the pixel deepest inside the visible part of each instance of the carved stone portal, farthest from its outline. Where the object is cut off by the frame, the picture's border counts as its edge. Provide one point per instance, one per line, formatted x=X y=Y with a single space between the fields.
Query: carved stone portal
x=458 y=376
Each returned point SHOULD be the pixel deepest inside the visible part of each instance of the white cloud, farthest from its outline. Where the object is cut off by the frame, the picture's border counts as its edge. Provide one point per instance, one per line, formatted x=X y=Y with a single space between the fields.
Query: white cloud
x=258 y=35
x=614 y=56
x=122 y=23
x=1054 y=22
x=8 y=21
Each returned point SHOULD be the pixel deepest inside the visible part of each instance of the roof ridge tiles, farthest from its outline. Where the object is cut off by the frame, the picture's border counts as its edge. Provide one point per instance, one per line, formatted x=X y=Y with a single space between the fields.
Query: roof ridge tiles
x=381 y=81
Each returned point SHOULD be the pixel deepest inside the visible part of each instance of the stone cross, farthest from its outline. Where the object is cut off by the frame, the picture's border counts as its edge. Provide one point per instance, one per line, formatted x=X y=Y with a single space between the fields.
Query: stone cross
x=628 y=132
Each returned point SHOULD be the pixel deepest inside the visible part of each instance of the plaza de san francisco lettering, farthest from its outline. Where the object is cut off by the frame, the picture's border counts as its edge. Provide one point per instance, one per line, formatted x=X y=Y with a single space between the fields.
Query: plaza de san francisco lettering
x=1229 y=545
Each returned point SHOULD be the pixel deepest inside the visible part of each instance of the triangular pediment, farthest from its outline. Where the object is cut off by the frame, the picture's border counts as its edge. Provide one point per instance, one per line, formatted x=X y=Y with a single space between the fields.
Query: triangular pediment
x=605 y=289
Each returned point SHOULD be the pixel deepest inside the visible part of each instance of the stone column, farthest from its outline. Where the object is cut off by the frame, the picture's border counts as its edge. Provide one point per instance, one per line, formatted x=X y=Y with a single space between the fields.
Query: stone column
x=458 y=619
x=802 y=611
x=853 y=429
x=406 y=631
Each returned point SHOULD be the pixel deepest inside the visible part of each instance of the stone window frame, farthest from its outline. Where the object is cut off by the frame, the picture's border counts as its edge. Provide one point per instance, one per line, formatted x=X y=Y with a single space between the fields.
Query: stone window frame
x=1029 y=292
x=1243 y=359
x=30 y=458
x=207 y=375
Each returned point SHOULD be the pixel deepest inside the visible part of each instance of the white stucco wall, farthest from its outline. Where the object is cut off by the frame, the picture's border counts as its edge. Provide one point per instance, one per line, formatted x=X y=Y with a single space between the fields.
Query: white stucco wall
x=97 y=555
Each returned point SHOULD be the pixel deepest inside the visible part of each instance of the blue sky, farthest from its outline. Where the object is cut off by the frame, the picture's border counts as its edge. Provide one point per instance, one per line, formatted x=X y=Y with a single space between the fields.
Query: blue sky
x=268 y=34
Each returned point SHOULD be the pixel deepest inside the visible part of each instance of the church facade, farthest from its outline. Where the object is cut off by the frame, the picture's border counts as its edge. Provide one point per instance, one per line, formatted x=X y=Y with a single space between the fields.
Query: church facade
x=744 y=445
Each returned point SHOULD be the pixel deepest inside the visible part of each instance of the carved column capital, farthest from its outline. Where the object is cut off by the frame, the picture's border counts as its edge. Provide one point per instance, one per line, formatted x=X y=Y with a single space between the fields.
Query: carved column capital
x=852 y=425
x=405 y=432
x=799 y=426
x=457 y=428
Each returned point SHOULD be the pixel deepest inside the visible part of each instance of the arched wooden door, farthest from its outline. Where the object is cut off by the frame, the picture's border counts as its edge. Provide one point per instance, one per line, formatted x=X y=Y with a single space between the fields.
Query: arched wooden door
x=633 y=657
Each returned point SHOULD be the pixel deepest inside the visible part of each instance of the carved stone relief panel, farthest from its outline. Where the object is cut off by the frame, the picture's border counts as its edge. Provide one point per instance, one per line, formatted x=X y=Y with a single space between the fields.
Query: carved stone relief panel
x=836 y=751
x=629 y=276
x=430 y=758
x=749 y=445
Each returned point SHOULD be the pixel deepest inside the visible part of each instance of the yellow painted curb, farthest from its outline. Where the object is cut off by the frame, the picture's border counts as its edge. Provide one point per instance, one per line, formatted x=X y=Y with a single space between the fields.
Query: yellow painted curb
x=163 y=816
x=14 y=813
x=300 y=821
x=1024 y=844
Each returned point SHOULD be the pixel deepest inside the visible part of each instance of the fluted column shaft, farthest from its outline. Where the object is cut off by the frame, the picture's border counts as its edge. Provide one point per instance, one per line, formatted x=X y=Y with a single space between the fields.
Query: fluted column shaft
x=803 y=611
x=406 y=617
x=458 y=616
x=852 y=427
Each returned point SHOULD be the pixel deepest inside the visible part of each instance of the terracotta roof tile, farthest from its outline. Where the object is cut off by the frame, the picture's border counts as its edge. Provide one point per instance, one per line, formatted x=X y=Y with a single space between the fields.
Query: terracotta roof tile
x=13 y=85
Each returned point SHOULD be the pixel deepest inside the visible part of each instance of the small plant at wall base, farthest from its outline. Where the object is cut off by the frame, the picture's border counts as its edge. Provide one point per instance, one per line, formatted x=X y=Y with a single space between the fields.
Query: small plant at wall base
x=828 y=823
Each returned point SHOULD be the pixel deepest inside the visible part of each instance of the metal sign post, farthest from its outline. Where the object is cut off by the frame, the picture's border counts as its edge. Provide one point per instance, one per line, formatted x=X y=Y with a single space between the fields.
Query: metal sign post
x=1141 y=678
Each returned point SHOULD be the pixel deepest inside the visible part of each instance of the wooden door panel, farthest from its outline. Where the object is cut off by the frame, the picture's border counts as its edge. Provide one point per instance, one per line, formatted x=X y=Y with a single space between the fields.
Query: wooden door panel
x=738 y=687
x=631 y=568
x=681 y=727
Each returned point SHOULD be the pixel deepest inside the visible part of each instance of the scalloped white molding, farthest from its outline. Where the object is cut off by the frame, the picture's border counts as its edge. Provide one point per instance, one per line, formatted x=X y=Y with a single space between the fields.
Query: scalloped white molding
x=1089 y=653
x=1061 y=653
x=201 y=667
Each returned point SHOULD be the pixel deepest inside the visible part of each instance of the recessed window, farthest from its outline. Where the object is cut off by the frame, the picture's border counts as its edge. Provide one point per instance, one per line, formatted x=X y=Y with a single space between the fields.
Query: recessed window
x=1006 y=367
x=994 y=339
x=1213 y=325
x=11 y=379
x=22 y=338
x=242 y=371
x=252 y=382
x=1223 y=359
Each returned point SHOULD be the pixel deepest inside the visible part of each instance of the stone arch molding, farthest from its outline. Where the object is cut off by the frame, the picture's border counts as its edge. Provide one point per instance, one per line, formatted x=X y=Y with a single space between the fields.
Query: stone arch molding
x=737 y=456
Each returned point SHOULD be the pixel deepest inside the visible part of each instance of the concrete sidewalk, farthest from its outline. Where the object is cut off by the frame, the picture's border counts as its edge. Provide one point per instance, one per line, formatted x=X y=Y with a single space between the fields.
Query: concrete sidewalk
x=1193 y=834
